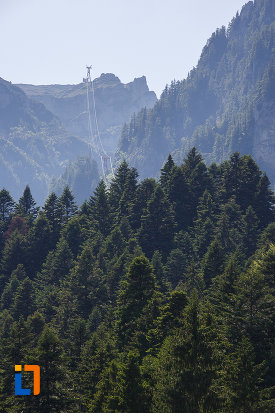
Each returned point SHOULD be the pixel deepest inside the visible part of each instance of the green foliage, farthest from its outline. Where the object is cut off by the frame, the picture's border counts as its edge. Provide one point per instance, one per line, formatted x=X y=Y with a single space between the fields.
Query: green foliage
x=224 y=104
x=153 y=297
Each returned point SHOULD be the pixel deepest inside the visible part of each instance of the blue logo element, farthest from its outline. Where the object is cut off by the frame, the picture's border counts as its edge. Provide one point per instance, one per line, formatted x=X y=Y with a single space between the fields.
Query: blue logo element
x=18 y=386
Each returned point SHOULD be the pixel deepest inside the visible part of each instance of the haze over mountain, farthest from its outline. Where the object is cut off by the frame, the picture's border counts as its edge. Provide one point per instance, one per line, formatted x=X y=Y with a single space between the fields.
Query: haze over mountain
x=44 y=129
x=34 y=145
x=226 y=104
x=115 y=103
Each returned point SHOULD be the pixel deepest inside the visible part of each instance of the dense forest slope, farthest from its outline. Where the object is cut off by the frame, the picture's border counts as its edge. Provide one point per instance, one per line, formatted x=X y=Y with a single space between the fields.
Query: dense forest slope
x=227 y=102
x=153 y=297
x=115 y=103
x=33 y=144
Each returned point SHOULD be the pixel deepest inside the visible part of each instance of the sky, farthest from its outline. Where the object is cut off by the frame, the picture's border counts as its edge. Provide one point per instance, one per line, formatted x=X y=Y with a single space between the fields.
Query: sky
x=52 y=41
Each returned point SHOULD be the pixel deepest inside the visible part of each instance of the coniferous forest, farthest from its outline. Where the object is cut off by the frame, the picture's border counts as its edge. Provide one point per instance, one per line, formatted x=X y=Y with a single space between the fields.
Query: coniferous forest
x=153 y=296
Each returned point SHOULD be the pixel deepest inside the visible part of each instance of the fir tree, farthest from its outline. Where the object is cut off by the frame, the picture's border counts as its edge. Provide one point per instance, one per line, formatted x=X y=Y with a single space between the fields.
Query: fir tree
x=26 y=205
x=158 y=224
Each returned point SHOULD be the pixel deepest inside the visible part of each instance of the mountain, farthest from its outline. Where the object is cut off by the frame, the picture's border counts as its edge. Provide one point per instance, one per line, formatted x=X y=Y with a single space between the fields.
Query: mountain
x=34 y=146
x=82 y=176
x=115 y=103
x=226 y=104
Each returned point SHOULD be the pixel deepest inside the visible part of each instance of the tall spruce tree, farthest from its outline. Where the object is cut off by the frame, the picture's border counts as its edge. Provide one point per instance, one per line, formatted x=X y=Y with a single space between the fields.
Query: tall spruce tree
x=26 y=205
x=158 y=225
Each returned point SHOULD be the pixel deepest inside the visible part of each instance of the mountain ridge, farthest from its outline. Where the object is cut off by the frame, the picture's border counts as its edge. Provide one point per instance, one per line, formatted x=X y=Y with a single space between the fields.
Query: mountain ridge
x=215 y=107
x=115 y=103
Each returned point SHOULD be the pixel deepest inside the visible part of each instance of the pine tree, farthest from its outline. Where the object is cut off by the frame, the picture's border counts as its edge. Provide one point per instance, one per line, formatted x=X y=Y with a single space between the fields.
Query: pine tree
x=15 y=252
x=230 y=227
x=135 y=294
x=197 y=178
x=122 y=189
x=53 y=211
x=51 y=361
x=264 y=202
x=7 y=297
x=127 y=198
x=186 y=368
x=72 y=234
x=100 y=209
x=57 y=265
x=6 y=206
x=130 y=392
x=242 y=382
x=39 y=244
x=159 y=272
x=213 y=262
x=251 y=231
x=26 y=205
x=165 y=172
x=204 y=224
x=175 y=267
x=24 y=300
x=68 y=204
x=158 y=225
x=143 y=194
x=178 y=194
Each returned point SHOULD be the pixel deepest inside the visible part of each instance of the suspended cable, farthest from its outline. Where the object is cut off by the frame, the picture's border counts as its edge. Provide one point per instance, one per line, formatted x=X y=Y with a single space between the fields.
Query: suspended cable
x=95 y=117
x=89 y=115
x=98 y=145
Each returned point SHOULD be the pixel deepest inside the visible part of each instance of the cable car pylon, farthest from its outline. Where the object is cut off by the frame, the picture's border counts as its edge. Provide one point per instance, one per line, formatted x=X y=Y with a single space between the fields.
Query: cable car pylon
x=95 y=139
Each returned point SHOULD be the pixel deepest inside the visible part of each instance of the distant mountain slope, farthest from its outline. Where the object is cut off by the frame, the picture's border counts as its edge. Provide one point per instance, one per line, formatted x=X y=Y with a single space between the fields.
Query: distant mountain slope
x=82 y=176
x=226 y=104
x=115 y=103
x=34 y=146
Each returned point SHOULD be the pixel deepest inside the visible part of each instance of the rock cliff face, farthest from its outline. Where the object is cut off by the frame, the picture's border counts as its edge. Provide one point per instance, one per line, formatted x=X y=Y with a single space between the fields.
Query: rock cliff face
x=34 y=146
x=115 y=103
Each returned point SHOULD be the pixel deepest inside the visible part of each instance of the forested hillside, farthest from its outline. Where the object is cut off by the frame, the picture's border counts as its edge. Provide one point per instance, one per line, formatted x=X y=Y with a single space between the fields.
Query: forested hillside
x=154 y=296
x=226 y=104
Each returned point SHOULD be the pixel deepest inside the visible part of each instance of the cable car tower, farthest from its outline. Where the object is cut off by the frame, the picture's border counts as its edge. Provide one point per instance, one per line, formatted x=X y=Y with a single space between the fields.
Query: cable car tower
x=94 y=134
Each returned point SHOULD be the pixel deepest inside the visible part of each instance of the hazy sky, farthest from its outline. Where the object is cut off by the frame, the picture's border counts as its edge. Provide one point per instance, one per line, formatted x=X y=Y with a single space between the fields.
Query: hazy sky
x=51 y=41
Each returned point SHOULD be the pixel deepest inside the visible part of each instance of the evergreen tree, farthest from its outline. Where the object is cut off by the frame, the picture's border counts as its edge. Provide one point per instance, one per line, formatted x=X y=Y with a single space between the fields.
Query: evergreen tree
x=53 y=211
x=242 y=382
x=264 y=202
x=187 y=369
x=135 y=294
x=24 y=300
x=50 y=359
x=15 y=252
x=251 y=231
x=165 y=172
x=197 y=178
x=204 y=224
x=100 y=209
x=26 y=205
x=6 y=206
x=67 y=203
x=122 y=189
x=230 y=227
x=158 y=224
x=39 y=244
x=143 y=194
x=57 y=265
x=213 y=262
x=179 y=196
